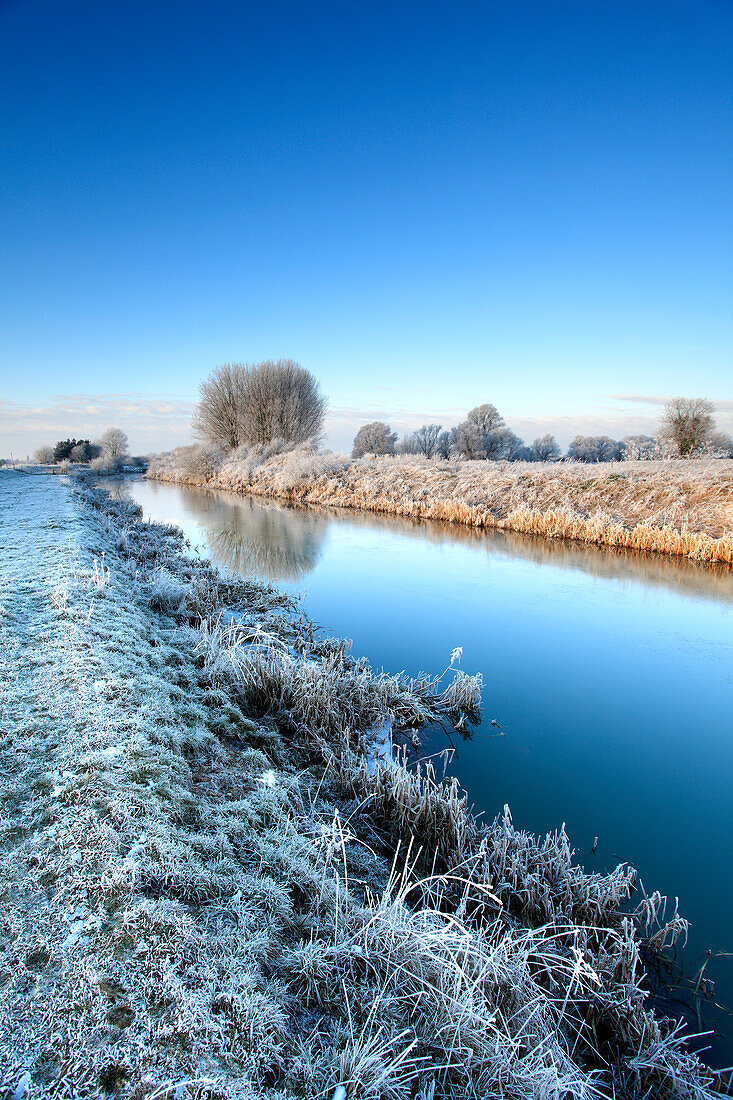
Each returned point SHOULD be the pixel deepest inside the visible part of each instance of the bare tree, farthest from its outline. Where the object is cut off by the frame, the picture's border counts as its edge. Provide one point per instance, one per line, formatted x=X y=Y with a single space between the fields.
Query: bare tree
x=423 y=441
x=375 y=438
x=43 y=455
x=486 y=418
x=639 y=447
x=546 y=448
x=114 y=443
x=257 y=403
x=217 y=417
x=687 y=423
x=594 y=448
x=281 y=400
x=426 y=439
x=444 y=446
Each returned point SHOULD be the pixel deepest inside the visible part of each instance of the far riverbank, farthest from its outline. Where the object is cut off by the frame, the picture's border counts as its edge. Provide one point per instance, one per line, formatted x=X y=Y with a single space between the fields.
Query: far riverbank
x=682 y=508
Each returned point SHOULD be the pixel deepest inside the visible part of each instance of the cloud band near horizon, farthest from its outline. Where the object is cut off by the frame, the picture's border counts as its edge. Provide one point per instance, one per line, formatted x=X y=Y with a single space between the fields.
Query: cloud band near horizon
x=156 y=422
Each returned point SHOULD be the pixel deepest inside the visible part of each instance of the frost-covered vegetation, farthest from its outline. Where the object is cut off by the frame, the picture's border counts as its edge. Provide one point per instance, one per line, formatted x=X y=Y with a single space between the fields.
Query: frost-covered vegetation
x=260 y=425
x=682 y=507
x=243 y=403
x=219 y=882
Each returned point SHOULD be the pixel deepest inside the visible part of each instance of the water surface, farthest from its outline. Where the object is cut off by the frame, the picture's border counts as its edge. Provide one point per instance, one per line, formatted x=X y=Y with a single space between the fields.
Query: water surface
x=611 y=676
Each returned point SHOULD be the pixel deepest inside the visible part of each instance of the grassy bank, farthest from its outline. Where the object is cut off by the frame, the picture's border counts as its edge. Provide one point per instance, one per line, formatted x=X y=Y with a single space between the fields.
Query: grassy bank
x=678 y=507
x=215 y=882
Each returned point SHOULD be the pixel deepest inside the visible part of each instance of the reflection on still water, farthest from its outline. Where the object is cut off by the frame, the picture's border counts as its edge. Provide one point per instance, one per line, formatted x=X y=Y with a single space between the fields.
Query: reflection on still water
x=251 y=539
x=256 y=540
x=256 y=537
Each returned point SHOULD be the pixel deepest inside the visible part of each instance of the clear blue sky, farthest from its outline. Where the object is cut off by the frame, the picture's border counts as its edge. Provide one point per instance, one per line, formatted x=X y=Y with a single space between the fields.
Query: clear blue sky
x=428 y=205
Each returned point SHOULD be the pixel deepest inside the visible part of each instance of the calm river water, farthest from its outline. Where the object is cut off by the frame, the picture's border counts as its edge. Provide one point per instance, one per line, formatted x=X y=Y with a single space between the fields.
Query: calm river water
x=610 y=675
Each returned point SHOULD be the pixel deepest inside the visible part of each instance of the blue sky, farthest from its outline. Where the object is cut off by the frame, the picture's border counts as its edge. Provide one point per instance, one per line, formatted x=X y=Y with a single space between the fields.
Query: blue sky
x=428 y=205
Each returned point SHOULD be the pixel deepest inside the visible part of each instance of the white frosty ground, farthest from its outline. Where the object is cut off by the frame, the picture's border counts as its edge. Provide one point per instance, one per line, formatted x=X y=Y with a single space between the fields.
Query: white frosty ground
x=199 y=895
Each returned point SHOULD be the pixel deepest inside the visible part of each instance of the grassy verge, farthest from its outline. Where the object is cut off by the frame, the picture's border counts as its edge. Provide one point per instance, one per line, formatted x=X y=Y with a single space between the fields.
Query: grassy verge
x=216 y=884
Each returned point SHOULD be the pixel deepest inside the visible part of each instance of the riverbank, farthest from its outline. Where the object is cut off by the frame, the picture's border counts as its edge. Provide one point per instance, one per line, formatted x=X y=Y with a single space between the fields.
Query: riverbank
x=213 y=886
x=682 y=508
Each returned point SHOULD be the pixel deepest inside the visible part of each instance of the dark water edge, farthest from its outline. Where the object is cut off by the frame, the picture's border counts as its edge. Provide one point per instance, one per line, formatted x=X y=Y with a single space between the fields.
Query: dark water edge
x=609 y=675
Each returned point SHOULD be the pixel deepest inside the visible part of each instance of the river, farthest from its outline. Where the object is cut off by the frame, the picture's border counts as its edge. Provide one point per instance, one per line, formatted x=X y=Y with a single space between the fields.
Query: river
x=610 y=678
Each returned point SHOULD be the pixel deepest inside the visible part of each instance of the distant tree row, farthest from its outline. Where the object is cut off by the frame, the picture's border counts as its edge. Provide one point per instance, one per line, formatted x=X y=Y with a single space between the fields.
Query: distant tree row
x=76 y=450
x=687 y=428
x=112 y=447
x=250 y=404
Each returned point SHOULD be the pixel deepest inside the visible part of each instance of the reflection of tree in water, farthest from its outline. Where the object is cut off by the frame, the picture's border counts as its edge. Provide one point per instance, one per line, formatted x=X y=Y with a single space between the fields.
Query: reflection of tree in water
x=258 y=539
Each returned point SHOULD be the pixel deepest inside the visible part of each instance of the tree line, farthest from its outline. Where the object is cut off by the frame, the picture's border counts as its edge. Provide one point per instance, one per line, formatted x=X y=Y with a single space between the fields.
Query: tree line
x=251 y=404
x=687 y=428
x=110 y=451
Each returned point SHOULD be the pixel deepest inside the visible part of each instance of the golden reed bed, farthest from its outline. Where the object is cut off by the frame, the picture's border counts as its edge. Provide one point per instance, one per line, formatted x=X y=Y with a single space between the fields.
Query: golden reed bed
x=678 y=507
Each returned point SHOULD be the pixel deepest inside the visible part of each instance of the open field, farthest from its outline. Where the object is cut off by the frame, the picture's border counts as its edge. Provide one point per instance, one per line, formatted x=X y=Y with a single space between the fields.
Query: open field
x=678 y=507
x=211 y=873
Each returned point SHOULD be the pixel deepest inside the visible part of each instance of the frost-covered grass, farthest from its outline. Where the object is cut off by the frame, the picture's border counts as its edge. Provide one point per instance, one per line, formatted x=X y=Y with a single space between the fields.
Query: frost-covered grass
x=212 y=886
x=672 y=506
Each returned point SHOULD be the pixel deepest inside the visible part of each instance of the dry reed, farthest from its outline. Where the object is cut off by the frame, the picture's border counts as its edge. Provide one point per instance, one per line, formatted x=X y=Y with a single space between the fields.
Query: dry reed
x=677 y=507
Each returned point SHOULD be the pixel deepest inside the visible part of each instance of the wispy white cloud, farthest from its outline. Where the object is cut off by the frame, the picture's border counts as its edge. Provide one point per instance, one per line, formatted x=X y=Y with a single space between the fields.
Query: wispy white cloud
x=638 y=398
x=162 y=421
x=721 y=406
x=153 y=422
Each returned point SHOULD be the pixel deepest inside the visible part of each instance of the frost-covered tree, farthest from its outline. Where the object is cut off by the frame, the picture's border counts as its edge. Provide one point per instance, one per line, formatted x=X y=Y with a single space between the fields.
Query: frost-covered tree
x=503 y=444
x=486 y=418
x=639 y=446
x=257 y=403
x=469 y=441
x=546 y=448
x=43 y=455
x=594 y=448
x=720 y=443
x=444 y=446
x=483 y=434
x=687 y=423
x=217 y=417
x=281 y=400
x=375 y=438
x=114 y=443
x=424 y=441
